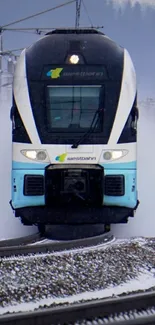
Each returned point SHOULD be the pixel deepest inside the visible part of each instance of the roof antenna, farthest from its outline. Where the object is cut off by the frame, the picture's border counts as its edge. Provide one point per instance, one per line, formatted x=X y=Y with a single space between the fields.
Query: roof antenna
x=78 y=11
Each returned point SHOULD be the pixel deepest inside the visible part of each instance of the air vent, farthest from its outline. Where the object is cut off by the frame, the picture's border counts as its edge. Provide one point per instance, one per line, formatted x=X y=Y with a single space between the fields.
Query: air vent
x=33 y=185
x=114 y=185
x=75 y=31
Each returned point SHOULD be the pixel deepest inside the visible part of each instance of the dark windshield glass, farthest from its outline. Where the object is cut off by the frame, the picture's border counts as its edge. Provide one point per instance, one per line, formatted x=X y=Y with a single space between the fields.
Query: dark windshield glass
x=70 y=107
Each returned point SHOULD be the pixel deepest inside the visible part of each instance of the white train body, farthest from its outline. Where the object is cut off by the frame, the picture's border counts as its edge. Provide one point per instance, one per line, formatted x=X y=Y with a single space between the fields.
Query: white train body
x=71 y=144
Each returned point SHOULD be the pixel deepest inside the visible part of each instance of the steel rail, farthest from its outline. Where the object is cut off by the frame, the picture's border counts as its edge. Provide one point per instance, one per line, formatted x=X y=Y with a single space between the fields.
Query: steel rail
x=88 y=311
x=53 y=246
x=20 y=241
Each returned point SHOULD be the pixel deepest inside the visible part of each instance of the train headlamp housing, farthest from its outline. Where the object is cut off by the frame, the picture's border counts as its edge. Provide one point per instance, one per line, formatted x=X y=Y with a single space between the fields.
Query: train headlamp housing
x=110 y=155
x=35 y=154
x=74 y=59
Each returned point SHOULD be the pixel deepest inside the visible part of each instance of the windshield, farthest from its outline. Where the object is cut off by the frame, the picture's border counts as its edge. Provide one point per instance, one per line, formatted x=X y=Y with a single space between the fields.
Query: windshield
x=72 y=107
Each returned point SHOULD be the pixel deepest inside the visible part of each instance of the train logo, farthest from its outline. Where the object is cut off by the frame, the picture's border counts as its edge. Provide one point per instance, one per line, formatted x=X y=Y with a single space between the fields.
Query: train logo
x=61 y=158
x=54 y=74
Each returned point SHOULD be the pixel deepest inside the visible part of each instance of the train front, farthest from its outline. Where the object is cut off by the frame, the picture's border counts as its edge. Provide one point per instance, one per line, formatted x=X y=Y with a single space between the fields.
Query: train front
x=74 y=118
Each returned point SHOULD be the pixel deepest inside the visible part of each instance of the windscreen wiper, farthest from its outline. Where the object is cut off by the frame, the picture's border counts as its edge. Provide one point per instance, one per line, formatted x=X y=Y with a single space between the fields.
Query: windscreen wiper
x=90 y=130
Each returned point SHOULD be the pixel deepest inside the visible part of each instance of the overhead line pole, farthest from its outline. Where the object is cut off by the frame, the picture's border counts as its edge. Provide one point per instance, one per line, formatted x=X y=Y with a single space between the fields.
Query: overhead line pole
x=1 y=56
x=1 y=50
x=78 y=11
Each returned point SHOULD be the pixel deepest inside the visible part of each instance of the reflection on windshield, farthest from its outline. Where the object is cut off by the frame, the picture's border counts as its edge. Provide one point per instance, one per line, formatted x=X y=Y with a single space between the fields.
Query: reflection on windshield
x=72 y=107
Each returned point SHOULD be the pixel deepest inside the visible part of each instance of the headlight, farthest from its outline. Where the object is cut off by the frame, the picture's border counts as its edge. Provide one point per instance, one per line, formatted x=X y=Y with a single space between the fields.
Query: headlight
x=114 y=154
x=38 y=155
x=41 y=155
x=74 y=59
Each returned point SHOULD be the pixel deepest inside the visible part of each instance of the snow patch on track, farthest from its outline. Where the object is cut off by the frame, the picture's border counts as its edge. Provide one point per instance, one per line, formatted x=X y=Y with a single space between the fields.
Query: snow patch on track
x=123 y=266
x=144 y=281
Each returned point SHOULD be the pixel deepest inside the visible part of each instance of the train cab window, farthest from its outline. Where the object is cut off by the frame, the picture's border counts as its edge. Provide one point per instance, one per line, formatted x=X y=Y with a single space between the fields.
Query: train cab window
x=19 y=133
x=129 y=133
x=70 y=107
x=132 y=119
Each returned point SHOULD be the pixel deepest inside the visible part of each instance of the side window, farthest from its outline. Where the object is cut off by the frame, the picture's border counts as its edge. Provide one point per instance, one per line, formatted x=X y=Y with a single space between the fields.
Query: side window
x=12 y=116
x=15 y=118
x=19 y=133
x=129 y=133
x=132 y=119
x=134 y=116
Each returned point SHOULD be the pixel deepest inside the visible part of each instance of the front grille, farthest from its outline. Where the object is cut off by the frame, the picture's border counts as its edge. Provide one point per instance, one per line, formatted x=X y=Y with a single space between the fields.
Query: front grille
x=114 y=185
x=75 y=184
x=33 y=185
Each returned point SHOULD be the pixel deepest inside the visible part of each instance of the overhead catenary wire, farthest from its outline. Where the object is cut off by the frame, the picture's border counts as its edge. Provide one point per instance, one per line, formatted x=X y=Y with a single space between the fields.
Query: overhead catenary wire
x=29 y=28
x=15 y=50
x=38 y=30
x=37 y=14
x=4 y=27
x=25 y=31
x=43 y=30
x=89 y=18
x=8 y=52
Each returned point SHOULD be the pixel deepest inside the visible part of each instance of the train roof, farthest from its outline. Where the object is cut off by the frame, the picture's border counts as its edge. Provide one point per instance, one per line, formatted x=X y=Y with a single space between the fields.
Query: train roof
x=93 y=46
x=72 y=30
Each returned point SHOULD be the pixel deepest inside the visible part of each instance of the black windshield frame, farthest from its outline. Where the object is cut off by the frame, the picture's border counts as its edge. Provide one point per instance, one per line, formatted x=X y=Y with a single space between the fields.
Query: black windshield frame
x=82 y=109
x=37 y=91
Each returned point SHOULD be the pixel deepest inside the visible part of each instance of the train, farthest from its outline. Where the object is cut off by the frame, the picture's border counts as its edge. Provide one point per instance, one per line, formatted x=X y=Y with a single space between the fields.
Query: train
x=74 y=131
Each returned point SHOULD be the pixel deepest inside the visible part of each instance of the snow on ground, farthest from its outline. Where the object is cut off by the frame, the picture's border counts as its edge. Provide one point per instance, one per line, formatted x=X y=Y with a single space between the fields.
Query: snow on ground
x=10 y=227
x=48 y=279
x=143 y=282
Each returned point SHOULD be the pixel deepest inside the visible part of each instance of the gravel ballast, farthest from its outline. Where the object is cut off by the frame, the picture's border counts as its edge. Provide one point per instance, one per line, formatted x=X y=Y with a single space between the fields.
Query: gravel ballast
x=65 y=274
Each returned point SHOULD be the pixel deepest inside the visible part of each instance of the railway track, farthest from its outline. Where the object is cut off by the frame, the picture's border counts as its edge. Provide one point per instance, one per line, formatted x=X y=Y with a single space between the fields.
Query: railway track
x=129 y=310
x=37 y=244
x=125 y=310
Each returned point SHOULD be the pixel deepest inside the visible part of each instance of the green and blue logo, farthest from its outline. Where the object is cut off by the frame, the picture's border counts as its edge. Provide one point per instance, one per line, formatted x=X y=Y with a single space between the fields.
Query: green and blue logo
x=54 y=74
x=61 y=158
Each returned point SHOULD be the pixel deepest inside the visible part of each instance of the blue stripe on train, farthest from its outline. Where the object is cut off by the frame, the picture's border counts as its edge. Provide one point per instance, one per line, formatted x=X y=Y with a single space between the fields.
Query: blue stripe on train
x=18 y=198
x=118 y=165
x=128 y=200
x=31 y=165
x=130 y=197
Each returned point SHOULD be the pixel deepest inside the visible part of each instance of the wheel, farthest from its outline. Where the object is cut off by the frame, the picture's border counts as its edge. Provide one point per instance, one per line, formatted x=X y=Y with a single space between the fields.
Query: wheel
x=107 y=228
x=26 y=222
x=73 y=232
x=41 y=228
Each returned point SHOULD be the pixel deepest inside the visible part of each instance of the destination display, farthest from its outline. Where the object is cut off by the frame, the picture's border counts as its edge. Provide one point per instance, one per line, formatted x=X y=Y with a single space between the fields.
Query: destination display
x=76 y=72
